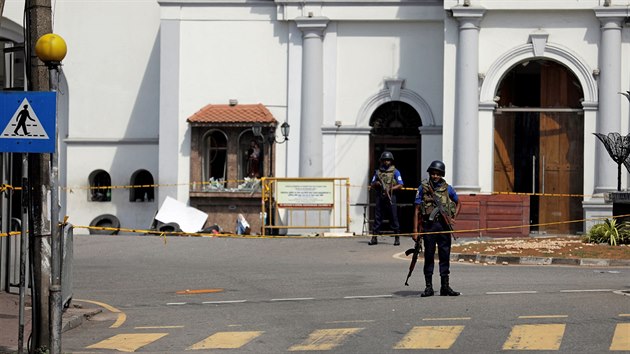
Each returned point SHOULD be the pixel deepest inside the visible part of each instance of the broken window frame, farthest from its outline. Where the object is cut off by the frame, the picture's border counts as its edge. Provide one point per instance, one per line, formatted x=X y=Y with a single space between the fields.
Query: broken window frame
x=100 y=186
x=210 y=152
x=144 y=190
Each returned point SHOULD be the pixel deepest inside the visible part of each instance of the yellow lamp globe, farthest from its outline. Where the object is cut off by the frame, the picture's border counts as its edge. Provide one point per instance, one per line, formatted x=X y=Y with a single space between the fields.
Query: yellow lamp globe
x=51 y=48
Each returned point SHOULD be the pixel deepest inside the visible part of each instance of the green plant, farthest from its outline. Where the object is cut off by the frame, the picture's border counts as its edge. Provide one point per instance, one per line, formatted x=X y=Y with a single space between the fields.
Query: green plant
x=610 y=232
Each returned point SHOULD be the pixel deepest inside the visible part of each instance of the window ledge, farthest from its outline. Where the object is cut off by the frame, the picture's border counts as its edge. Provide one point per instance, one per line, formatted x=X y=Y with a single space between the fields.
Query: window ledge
x=226 y=193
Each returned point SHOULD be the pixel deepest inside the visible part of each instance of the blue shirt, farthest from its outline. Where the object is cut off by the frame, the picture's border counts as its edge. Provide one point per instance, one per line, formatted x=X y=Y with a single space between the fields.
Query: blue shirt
x=451 y=193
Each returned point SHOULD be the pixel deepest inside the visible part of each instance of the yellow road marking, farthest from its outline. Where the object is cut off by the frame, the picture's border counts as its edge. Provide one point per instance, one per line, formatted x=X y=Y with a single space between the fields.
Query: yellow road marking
x=430 y=337
x=545 y=316
x=325 y=339
x=122 y=317
x=624 y=314
x=226 y=340
x=128 y=342
x=621 y=338
x=446 y=319
x=535 y=337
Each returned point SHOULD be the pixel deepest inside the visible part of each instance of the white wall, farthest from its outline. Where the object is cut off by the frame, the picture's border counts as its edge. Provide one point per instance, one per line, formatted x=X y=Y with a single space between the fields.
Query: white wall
x=367 y=53
x=120 y=163
x=112 y=67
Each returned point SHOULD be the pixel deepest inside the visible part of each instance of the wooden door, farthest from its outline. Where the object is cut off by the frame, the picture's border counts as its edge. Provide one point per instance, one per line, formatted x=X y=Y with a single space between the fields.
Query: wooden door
x=560 y=166
x=561 y=148
x=540 y=149
x=504 y=153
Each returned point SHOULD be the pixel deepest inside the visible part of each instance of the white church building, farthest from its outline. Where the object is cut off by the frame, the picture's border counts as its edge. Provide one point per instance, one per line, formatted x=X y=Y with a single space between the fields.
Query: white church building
x=507 y=93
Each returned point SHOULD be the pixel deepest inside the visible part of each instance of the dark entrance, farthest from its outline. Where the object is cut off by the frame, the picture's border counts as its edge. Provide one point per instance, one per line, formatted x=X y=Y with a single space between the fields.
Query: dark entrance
x=395 y=129
x=539 y=143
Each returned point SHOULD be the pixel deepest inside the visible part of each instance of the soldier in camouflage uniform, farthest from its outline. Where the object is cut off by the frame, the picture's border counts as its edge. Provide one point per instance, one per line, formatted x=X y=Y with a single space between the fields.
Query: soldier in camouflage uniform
x=385 y=181
x=427 y=218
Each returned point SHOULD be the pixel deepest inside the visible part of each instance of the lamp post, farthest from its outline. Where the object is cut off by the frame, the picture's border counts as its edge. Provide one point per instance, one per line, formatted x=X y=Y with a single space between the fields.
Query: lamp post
x=271 y=139
x=51 y=49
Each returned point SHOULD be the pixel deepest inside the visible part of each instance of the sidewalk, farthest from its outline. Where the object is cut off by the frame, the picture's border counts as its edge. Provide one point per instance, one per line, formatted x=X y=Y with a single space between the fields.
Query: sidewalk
x=9 y=320
x=531 y=260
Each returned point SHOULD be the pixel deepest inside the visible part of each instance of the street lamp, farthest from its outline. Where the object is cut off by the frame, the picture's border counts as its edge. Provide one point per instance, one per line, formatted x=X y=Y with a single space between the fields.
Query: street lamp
x=51 y=49
x=271 y=138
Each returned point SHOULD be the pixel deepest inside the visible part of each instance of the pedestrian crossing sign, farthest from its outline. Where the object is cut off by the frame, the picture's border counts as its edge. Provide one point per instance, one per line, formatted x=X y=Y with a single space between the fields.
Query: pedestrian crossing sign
x=28 y=121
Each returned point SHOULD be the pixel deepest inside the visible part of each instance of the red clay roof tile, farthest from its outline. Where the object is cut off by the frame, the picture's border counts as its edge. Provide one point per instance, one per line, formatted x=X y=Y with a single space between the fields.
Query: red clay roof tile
x=240 y=113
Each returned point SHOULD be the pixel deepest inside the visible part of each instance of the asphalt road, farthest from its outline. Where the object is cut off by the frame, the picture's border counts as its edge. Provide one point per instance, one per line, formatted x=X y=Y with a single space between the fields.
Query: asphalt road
x=173 y=294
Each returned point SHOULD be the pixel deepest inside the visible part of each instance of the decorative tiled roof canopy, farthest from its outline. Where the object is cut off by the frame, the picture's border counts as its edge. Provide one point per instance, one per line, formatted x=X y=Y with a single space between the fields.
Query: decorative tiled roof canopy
x=232 y=114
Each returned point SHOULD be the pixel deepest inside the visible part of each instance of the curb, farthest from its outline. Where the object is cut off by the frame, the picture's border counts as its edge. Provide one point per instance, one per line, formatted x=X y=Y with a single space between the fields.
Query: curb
x=74 y=317
x=593 y=262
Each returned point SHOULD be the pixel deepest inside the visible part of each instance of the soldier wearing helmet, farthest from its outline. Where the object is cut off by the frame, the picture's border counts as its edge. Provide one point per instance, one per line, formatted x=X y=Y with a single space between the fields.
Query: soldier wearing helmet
x=437 y=205
x=386 y=180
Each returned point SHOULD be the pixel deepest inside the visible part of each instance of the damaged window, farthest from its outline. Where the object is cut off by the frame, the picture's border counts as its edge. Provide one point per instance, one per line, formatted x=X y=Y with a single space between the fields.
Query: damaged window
x=100 y=186
x=143 y=190
x=214 y=158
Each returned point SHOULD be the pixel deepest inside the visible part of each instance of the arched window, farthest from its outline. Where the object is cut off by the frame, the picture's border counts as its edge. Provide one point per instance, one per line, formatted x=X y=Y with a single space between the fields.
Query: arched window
x=144 y=192
x=250 y=156
x=100 y=186
x=214 y=156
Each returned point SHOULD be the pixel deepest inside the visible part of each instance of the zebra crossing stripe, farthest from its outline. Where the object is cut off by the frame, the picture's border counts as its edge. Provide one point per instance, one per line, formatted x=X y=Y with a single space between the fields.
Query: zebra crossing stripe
x=621 y=338
x=430 y=337
x=226 y=340
x=521 y=337
x=325 y=339
x=127 y=342
x=535 y=337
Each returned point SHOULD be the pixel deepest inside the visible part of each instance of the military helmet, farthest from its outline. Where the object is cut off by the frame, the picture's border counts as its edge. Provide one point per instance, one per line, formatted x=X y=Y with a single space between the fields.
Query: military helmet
x=437 y=165
x=386 y=155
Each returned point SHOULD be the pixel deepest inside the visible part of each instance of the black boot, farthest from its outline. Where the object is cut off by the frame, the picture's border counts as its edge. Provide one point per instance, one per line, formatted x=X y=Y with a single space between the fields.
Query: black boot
x=428 y=291
x=373 y=241
x=396 y=240
x=446 y=290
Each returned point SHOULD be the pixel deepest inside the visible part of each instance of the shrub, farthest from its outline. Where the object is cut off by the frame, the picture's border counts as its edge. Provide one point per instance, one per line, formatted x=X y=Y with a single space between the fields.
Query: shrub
x=609 y=232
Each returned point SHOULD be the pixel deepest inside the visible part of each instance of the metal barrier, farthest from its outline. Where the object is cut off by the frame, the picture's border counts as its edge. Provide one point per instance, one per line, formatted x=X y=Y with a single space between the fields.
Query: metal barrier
x=67 y=247
x=14 y=246
x=305 y=204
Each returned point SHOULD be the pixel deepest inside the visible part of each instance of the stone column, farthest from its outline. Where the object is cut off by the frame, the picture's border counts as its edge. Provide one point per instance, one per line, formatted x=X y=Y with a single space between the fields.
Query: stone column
x=609 y=117
x=312 y=111
x=466 y=123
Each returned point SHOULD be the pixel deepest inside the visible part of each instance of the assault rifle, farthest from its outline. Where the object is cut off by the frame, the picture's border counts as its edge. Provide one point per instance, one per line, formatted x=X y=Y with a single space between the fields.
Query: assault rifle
x=386 y=190
x=414 y=259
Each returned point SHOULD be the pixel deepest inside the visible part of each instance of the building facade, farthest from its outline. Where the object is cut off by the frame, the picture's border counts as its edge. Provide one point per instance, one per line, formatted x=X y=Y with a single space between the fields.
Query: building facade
x=507 y=93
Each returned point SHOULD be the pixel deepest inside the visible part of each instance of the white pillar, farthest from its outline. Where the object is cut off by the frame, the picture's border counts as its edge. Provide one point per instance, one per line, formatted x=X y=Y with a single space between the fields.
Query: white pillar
x=312 y=112
x=609 y=117
x=466 y=122
x=170 y=132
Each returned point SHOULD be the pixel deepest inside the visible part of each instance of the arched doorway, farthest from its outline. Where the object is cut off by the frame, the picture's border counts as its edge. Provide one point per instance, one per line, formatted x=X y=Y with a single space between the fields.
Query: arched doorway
x=395 y=129
x=539 y=142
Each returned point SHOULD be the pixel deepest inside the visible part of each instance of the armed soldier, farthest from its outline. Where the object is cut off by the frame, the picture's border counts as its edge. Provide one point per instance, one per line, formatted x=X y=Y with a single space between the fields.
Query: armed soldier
x=437 y=205
x=385 y=181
